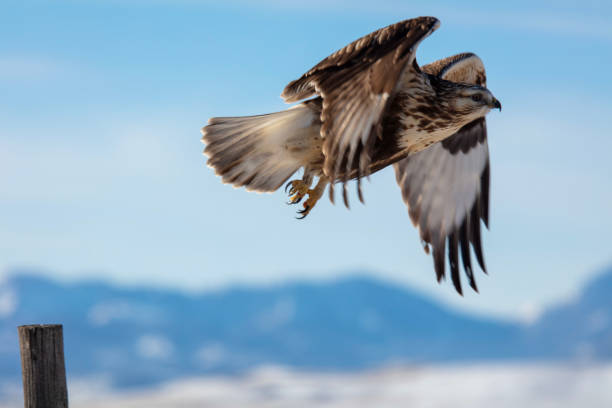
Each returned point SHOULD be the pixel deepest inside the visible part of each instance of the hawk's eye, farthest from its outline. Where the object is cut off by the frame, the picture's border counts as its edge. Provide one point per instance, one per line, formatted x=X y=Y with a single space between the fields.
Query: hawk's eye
x=477 y=97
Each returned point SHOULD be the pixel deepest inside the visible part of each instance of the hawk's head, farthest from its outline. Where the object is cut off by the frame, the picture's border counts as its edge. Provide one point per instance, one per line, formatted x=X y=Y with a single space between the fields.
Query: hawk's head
x=470 y=102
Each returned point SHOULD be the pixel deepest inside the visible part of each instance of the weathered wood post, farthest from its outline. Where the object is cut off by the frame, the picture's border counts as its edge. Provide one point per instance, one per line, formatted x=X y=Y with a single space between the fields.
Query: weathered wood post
x=42 y=365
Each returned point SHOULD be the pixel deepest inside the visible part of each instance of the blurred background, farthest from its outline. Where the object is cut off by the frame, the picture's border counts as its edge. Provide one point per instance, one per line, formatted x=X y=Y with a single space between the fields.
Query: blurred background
x=177 y=290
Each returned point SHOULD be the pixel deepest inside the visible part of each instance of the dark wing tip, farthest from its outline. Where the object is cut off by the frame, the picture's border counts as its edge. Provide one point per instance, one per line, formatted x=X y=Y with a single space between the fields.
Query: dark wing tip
x=485 y=182
x=438 y=257
x=453 y=261
x=464 y=241
x=475 y=235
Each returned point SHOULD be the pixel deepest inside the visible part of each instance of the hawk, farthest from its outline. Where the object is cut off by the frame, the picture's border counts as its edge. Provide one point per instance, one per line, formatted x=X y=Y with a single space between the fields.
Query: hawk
x=368 y=106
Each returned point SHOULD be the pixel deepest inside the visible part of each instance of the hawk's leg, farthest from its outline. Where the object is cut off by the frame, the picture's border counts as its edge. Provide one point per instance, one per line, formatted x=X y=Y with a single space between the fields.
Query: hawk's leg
x=313 y=197
x=297 y=189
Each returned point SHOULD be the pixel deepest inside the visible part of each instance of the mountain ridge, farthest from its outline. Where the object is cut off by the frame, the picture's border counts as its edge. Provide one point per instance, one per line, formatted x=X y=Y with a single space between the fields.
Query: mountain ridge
x=145 y=335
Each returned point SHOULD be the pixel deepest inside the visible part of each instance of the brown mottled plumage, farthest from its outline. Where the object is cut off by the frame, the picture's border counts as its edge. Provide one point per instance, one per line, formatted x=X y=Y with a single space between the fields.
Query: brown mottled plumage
x=371 y=106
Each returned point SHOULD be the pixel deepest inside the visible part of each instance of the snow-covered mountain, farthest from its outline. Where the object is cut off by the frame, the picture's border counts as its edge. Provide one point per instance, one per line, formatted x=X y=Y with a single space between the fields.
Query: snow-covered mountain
x=141 y=336
x=580 y=329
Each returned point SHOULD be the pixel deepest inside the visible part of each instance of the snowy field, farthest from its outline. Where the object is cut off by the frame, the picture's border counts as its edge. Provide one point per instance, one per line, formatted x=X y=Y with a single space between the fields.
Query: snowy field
x=473 y=386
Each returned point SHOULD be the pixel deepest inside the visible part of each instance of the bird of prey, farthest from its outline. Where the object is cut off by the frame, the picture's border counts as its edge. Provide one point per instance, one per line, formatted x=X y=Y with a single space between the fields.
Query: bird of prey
x=368 y=106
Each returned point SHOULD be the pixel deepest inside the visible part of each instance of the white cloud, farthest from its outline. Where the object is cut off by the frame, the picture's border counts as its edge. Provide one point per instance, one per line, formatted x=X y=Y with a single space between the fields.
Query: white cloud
x=154 y=347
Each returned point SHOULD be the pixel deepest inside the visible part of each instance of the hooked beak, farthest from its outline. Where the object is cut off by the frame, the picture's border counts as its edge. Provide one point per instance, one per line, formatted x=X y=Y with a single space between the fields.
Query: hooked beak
x=496 y=105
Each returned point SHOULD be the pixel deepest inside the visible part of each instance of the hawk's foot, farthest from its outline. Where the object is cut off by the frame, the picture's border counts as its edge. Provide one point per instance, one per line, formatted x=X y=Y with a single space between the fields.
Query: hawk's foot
x=297 y=189
x=313 y=197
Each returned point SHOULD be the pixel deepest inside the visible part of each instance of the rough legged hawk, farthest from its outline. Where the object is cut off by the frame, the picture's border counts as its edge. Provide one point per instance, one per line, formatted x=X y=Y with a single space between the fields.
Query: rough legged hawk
x=368 y=106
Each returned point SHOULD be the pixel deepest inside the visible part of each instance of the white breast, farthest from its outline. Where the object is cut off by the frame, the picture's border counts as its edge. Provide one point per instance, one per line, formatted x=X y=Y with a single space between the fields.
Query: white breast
x=414 y=139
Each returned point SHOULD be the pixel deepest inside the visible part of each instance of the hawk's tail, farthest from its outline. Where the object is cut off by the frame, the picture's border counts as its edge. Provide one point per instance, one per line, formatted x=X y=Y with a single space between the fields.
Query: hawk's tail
x=259 y=152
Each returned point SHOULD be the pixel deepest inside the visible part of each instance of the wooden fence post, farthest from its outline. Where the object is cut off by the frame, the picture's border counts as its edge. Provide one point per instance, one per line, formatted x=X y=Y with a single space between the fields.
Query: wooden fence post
x=42 y=365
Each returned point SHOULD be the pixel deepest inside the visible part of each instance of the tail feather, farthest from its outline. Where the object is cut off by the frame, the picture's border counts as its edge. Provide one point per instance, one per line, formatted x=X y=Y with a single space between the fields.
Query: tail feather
x=257 y=152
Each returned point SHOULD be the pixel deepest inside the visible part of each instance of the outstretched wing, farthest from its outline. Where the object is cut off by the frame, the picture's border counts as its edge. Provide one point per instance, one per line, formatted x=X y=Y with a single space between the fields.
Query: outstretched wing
x=446 y=186
x=356 y=84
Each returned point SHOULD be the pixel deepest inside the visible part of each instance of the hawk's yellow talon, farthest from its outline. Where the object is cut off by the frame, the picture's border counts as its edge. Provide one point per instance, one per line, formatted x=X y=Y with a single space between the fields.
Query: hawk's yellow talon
x=298 y=189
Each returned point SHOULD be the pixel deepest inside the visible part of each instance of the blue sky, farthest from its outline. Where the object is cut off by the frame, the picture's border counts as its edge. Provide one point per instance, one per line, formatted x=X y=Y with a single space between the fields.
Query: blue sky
x=101 y=172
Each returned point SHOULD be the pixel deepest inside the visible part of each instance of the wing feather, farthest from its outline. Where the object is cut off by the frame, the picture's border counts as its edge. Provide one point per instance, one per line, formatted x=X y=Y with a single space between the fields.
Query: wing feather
x=446 y=186
x=356 y=84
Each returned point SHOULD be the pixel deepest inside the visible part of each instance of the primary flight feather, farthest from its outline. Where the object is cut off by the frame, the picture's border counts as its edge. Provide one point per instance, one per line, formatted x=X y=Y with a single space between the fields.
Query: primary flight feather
x=371 y=105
